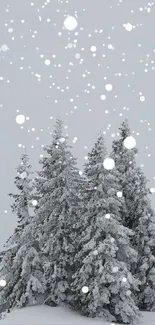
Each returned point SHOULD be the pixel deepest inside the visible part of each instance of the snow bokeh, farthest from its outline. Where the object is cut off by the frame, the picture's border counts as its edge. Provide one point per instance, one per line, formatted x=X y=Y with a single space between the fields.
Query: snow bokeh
x=20 y=119
x=108 y=87
x=107 y=216
x=130 y=142
x=108 y=163
x=34 y=203
x=85 y=289
x=70 y=23
x=128 y=27
x=119 y=194
x=47 y=62
x=2 y=283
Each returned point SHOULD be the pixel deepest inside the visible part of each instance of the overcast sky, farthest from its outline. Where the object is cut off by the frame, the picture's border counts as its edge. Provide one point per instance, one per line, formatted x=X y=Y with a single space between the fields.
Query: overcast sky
x=48 y=71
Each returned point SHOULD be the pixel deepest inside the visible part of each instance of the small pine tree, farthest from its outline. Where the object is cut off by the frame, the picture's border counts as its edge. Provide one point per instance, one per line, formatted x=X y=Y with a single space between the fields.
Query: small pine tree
x=105 y=253
x=21 y=266
x=139 y=217
x=144 y=242
x=125 y=163
x=57 y=216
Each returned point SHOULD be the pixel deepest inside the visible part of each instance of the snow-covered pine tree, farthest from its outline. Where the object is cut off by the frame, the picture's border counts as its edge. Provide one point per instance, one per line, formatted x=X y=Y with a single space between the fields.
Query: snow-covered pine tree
x=103 y=284
x=21 y=266
x=144 y=241
x=57 y=216
x=139 y=217
x=125 y=164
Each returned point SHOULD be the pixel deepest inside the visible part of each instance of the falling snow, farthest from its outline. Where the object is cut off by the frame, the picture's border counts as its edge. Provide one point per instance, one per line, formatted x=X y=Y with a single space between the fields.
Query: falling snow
x=130 y=142
x=34 y=202
x=91 y=65
x=108 y=163
x=70 y=23
x=119 y=194
x=2 y=283
x=142 y=98
x=107 y=216
x=108 y=87
x=87 y=69
x=85 y=289
x=20 y=119
x=103 y=97
x=93 y=48
x=128 y=27
x=47 y=62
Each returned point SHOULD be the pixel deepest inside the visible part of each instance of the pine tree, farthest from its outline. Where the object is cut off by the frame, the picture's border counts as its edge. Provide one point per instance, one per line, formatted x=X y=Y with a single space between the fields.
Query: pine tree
x=144 y=241
x=105 y=252
x=139 y=217
x=21 y=265
x=57 y=216
x=125 y=163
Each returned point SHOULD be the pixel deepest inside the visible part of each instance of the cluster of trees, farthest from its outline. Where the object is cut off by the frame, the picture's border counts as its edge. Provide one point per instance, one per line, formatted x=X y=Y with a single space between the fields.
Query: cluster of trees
x=90 y=244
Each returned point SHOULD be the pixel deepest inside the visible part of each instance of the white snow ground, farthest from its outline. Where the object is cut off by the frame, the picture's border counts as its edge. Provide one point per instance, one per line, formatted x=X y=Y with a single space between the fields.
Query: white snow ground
x=44 y=315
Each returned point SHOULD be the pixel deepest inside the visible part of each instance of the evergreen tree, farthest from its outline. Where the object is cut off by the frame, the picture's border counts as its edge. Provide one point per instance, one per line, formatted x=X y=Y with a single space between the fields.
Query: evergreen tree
x=105 y=253
x=21 y=266
x=139 y=217
x=57 y=216
x=144 y=241
x=125 y=163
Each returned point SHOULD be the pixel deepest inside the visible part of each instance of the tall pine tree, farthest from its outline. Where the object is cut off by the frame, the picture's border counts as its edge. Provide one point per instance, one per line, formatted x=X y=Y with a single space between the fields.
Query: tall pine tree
x=57 y=216
x=139 y=216
x=21 y=266
x=103 y=284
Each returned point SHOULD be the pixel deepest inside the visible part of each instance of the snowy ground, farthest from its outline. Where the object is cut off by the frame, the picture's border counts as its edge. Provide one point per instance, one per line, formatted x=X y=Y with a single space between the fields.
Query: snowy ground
x=44 y=315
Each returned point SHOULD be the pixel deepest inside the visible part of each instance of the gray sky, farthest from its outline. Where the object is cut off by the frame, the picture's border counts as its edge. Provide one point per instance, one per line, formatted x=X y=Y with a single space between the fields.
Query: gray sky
x=71 y=87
